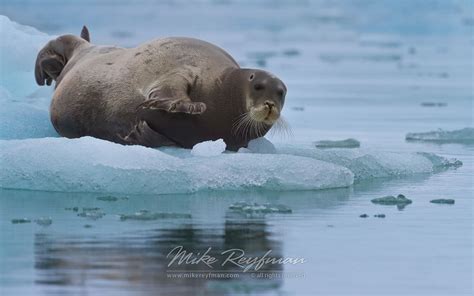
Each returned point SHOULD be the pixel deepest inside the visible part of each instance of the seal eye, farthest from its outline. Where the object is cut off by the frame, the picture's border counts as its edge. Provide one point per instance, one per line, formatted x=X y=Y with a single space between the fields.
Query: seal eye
x=251 y=77
x=258 y=86
x=280 y=92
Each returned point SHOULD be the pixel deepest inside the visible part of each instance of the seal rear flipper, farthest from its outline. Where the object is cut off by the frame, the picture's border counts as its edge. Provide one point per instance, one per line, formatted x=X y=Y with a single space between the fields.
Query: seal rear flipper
x=54 y=56
x=142 y=134
x=49 y=65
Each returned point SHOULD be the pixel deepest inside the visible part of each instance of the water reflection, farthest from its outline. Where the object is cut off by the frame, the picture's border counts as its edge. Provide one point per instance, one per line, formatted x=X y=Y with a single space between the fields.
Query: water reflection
x=140 y=261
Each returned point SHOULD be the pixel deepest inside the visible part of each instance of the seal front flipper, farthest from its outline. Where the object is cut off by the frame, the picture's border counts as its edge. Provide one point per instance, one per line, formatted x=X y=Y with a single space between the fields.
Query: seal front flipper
x=142 y=134
x=158 y=100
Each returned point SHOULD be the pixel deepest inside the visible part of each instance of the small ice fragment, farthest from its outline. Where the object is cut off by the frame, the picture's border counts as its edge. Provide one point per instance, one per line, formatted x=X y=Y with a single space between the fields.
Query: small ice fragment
x=209 y=148
x=107 y=198
x=347 y=143
x=262 y=146
x=91 y=213
x=465 y=135
x=364 y=216
x=255 y=208
x=443 y=201
x=291 y=52
x=297 y=108
x=145 y=215
x=400 y=201
x=44 y=221
x=379 y=216
x=21 y=220
x=433 y=104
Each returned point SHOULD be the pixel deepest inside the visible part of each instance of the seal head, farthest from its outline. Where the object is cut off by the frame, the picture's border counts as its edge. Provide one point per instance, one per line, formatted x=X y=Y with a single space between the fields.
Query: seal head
x=263 y=96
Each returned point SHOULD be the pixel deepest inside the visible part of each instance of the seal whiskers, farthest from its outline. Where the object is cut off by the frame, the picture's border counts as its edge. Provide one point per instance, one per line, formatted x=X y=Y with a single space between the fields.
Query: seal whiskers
x=282 y=128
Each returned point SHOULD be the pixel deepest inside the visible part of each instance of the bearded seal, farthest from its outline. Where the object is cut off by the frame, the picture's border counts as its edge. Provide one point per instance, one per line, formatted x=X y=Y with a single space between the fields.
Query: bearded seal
x=172 y=91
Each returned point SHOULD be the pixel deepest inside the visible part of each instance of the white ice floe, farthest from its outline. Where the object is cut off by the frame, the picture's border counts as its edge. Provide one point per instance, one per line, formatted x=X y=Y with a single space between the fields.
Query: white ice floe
x=209 y=148
x=465 y=135
x=367 y=164
x=91 y=165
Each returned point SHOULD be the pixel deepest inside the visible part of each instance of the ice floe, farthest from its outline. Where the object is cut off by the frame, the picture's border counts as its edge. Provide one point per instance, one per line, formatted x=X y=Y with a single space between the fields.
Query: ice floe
x=367 y=163
x=465 y=135
x=92 y=165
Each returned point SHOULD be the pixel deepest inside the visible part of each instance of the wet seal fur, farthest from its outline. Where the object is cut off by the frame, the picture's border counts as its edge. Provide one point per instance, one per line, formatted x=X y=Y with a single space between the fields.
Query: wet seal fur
x=166 y=92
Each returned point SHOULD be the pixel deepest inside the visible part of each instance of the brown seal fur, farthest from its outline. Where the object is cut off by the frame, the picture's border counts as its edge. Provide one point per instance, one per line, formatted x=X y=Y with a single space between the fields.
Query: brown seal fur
x=170 y=91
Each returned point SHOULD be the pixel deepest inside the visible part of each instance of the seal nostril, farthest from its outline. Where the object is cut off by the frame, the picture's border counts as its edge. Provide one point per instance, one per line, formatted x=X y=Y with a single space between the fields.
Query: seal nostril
x=270 y=104
x=258 y=86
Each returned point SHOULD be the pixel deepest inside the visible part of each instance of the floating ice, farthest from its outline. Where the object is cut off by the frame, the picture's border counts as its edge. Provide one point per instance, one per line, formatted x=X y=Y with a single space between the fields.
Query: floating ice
x=92 y=165
x=107 y=198
x=368 y=164
x=255 y=208
x=465 y=135
x=443 y=201
x=44 y=221
x=209 y=148
x=21 y=221
x=390 y=200
x=347 y=143
x=92 y=213
x=145 y=215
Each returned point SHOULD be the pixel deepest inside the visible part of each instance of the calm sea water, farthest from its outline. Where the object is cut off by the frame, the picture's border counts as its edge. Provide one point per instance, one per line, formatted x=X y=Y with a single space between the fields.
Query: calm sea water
x=359 y=69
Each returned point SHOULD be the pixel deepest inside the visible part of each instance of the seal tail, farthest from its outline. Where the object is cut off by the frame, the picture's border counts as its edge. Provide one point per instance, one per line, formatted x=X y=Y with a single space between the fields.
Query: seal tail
x=85 y=34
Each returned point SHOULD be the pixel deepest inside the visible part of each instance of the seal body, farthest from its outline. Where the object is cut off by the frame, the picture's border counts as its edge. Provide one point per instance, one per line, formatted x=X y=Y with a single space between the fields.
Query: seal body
x=170 y=91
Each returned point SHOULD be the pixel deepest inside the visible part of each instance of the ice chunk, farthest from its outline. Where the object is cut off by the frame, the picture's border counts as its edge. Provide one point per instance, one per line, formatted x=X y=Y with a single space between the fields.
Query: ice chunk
x=347 y=143
x=367 y=164
x=443 y=201
x=261 y=145
x=145 y=215
x=44 y=221
x=255 y=208
x=21 y=221
x=92 y=165
x=107 y=198
x=92 y=213
x=209 y=148
x=400 y=201
x=465 y=135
